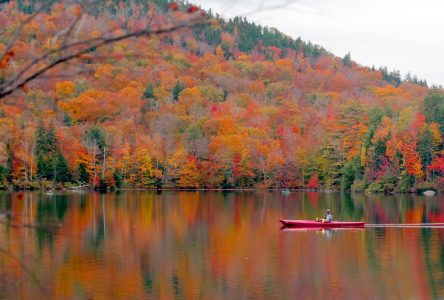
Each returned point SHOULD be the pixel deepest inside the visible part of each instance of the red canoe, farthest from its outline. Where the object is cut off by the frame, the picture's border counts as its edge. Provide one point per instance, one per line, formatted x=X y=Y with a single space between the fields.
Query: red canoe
x=305 y=229
x=308 y=223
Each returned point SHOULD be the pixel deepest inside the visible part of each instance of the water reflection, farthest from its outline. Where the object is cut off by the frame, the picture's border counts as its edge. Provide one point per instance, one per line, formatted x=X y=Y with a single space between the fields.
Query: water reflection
x=216 y=245
x=327 y=233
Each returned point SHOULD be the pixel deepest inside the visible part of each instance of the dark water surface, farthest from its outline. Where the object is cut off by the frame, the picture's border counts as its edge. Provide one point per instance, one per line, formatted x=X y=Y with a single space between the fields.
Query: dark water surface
x=215 y=245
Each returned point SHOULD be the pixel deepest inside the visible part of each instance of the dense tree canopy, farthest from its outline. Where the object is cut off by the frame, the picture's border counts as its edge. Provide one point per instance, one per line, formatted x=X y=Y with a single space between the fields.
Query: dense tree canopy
x=228 y=105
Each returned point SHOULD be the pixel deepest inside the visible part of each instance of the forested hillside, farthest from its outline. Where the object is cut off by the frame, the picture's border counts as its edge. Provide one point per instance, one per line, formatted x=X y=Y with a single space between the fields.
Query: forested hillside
x=227 y=105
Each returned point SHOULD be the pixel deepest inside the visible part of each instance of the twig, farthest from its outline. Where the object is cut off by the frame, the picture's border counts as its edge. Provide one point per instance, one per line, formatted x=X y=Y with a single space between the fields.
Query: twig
x=101 y=41
x=20 y=29
x=70 y=29
x=262 y=7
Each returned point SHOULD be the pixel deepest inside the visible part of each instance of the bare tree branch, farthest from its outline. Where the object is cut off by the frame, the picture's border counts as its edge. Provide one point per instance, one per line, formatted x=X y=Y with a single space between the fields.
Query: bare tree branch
x=17 y=81
x=69 y=51
x=70 y=29
x=20 y=29
x=262 y=7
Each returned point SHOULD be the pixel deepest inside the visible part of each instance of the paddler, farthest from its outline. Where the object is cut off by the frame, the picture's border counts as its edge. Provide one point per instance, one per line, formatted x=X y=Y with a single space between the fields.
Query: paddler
x=328 y=217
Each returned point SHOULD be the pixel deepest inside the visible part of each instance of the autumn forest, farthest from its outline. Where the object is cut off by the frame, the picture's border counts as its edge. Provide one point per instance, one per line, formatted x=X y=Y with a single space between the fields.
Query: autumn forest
x=219 y=104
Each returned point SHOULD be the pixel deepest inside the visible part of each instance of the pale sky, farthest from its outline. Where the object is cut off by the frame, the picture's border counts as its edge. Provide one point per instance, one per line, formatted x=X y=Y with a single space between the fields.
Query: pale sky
x=404 y=34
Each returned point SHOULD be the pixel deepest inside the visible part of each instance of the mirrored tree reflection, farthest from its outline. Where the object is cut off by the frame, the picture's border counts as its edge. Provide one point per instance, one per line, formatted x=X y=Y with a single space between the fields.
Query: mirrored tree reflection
x=167 y=245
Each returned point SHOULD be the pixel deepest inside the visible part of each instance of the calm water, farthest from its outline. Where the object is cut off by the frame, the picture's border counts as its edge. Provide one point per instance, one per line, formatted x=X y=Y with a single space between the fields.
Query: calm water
x=214 y=245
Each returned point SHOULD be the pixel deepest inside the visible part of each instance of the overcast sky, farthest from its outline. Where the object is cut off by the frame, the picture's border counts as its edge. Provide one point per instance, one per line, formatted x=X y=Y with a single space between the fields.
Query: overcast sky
x=404 y=34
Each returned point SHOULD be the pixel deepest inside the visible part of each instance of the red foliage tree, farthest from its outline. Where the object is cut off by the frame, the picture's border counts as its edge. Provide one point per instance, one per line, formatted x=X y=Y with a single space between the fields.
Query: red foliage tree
x=313 y=183
x=438 y=164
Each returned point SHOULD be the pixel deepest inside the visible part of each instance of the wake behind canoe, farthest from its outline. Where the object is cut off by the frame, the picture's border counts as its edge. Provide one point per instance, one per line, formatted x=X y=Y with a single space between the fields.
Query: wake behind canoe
x=309 y=223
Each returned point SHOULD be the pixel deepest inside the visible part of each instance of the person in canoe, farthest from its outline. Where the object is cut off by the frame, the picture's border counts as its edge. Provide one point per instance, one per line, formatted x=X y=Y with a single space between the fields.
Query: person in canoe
x=328 y=217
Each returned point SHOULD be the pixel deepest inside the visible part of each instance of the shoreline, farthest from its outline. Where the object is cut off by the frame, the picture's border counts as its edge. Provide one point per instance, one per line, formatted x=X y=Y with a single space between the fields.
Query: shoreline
x=282 y=190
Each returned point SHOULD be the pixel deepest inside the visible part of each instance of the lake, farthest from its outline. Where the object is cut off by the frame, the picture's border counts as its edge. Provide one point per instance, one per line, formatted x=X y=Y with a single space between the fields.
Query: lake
x=217 y=245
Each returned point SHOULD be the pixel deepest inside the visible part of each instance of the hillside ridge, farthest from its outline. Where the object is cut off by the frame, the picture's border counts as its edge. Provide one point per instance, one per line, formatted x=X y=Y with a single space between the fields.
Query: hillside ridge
x=229 y=105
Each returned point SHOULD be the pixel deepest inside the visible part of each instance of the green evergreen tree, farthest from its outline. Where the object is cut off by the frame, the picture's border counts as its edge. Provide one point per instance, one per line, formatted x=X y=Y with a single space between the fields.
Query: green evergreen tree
x=350 y=172
x=41 y=146
x=83 y=174
x=149 y=91
x=226 y=48
x=67 y=120
x=102 y=185
x=250 y=36
x=433 y=107
x=405 y=181
x=380 y=149
x=425 y=149
x=51 y=164
x=42 y=167
x=183 y=42
x=97 y=136
x=178 y=88
x=118 y=179
x=62 y=170
x=393 y=77
x=45 y=150
x=346 y=60
x=3 y=174
x=225 y=94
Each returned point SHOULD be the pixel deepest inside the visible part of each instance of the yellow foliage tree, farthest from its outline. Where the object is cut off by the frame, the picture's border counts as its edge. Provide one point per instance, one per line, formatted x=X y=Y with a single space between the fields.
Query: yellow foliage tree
x=142 y=170
x=436 y=134
x=190 y=175
x=64 y=89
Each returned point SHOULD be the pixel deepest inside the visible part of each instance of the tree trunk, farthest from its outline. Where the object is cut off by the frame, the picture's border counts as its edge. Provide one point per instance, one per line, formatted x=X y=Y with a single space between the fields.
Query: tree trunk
x=94 y=165
x=263 y=170
x=103 y=164
x=25 y=160
x=31 y=164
